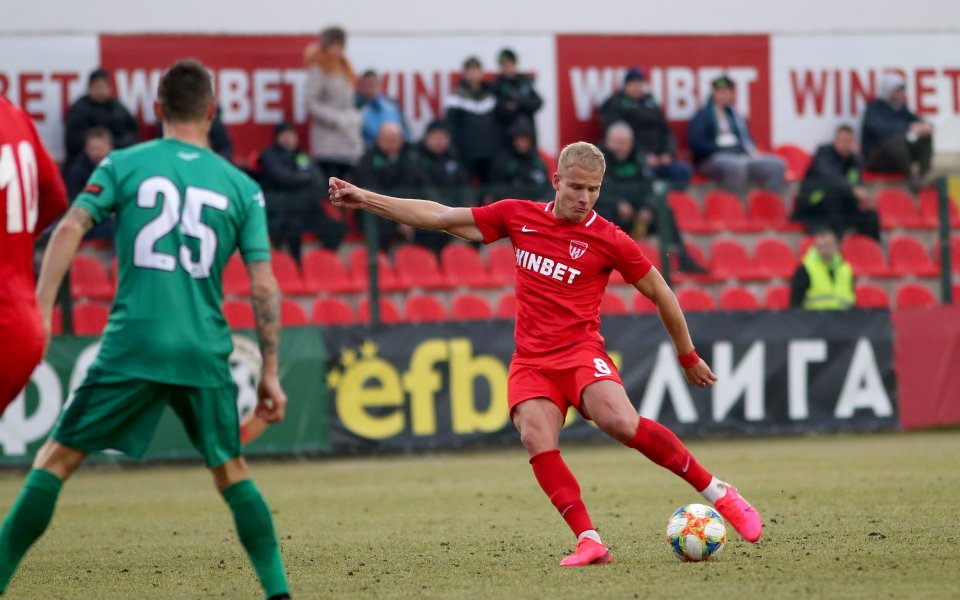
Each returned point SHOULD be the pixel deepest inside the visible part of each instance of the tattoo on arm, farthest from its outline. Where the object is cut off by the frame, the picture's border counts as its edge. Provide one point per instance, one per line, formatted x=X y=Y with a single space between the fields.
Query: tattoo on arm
x=81 y=217
x=265 y=298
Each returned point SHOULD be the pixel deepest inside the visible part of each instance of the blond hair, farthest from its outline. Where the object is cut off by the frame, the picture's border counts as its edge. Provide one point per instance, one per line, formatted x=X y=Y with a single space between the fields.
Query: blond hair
x=581 y=154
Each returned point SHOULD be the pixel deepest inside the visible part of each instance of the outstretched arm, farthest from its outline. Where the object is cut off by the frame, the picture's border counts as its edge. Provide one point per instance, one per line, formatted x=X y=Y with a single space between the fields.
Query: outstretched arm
x=423 y=214
x=56 y=260
x=265 y=298
x=656 y=289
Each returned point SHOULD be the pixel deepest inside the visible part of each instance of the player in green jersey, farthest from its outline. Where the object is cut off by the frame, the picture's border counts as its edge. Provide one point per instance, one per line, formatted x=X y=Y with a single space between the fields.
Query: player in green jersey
x=181 y=212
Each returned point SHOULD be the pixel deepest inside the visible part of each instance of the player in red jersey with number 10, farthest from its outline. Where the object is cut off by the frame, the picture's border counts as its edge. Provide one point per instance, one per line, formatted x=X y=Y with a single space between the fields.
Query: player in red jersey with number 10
x=32 y=196
x=565 y=253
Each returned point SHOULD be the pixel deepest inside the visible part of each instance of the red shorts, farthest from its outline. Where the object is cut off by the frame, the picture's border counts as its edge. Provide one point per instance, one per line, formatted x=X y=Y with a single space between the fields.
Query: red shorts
x=560 y=376
x=21 y=349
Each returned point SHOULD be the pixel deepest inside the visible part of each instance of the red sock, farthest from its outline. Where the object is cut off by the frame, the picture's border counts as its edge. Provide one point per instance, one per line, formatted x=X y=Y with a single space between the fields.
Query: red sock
x=663 y=447
x=561 y=486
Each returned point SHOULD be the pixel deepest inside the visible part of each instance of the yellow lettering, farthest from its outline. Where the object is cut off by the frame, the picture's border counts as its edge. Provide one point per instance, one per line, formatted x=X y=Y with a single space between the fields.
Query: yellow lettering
x=371 y=384
x=464 y=370
x=423 y=381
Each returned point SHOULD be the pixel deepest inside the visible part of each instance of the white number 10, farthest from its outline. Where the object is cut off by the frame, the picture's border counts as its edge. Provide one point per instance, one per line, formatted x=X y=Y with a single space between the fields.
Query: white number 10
x=11 y=178
x=162 y=189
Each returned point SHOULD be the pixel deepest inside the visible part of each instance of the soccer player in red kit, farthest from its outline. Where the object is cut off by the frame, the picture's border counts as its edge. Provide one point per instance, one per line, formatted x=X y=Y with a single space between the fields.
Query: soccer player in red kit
x=565 y=253
x=32 y=196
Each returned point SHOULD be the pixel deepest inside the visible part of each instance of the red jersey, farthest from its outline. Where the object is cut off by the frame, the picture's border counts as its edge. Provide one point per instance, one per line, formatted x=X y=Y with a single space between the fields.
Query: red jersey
x=562 y=270
x=32 y=196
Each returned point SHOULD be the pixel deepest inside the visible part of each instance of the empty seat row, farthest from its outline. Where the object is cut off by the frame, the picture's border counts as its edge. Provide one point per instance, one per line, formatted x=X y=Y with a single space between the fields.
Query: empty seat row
x=724 y=211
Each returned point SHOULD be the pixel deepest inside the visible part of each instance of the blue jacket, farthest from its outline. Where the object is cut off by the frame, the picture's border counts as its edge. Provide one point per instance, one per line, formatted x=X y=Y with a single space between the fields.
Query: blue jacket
x=702 y=133
x=882 y=121
x=374 y=113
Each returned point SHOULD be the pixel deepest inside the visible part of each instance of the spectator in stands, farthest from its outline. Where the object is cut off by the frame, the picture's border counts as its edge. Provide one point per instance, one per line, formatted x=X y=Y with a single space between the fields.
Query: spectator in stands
x=294 y=188
x=99 y=108
x=218 y=138
x=516 y=98
x=518 y=170
x=96 y=147
x=824 y=280
x=723 y=149
x=832 y=193
x=471 y=115
x=335 y=139
x=894 y=139
x=376 y=108
x=391 y=167
x=444 y=176
x=636 y=106
x=627 y=197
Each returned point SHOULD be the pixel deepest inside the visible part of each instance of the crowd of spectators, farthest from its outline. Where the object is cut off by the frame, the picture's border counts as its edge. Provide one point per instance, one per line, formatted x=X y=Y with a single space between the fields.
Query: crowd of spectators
x=484 y=147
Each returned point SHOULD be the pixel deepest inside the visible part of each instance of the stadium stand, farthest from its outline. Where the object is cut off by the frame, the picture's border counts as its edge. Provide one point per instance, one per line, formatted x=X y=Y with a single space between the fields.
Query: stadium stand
x=725 y=211
x=88 y=279
x=89 y=318
x=386 y=276
x=774 y=256
x=502 y=263
x=930 y=210
x=642 y=305
x=897 y=209
x=865 y=256
x=323 y=271
x=777 y=297
x=507 y=306
x=292 y=314
x=909 y=257
x=612 y=304
x=913 y=295
x=797 y=159
x=729 y=259
x=688 y=214
x=695 y=299
x=287 y=272
x=768 y=210
x=738 y=298
x=463 y=267
x=417 y=267
x=239 y=315
x=871 y=295
x=234 y=277
x=388 y=311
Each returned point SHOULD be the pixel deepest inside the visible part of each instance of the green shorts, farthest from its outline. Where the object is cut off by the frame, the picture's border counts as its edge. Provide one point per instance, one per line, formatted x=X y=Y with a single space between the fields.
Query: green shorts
x=110 y=411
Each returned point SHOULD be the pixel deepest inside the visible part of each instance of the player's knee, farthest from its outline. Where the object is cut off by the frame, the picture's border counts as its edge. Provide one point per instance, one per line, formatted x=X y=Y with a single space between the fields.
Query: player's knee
x=536 y=439
x=620 y=426
x=58 y=459
x=233 y=471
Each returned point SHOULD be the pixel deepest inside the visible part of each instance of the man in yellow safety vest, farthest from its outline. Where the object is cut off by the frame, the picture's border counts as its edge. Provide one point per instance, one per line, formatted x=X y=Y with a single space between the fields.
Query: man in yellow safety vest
x=823 y=280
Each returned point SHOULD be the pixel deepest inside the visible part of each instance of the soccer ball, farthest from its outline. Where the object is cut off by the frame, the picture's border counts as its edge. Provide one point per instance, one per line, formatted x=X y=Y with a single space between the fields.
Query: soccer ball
x=696 y=532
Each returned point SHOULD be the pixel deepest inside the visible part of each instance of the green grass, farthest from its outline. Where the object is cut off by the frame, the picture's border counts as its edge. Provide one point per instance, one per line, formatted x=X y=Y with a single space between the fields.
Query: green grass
x=858 y=516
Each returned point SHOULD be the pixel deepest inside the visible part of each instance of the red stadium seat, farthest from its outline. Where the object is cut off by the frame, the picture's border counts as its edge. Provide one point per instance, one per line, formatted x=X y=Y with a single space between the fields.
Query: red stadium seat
x=386 y=277
x=725 y=210
x=651 y=252
x=507 y=306
x=463 y=267
x=930 y=209
x=239 y=314
x=777 y=298
x=502 y=263
x=417 y=267
x=642 y=305
x=323 y=271
x=775 y=257
x=388 y=311
x=287 y=272
x=687 y=213
x=766 y=209
x=424 y=309
x=897 y=209
x=616 y=278
x=877 y=177
x=470 y=307
x=956 y=294
x=695 y=299
x=89 y=318
x=909 y=257
x=332 y=311
x=738 y=298
x=803 y=246
x=797 y=159
x=88 y=279
x=292 y=314
x=56 y=321
x=235 y=279
x=865 y=256
x=612 y=304
x=912 y=295
x=871 y=295
x=730 y=260
x=699 y=257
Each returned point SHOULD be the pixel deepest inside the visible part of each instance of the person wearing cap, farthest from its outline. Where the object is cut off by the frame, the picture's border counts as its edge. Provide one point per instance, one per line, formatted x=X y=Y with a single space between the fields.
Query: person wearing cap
x=98 y=108
x=292 y=187
x=519 y=171
x=636 y=106
x=723 y=149
x=894 y=139
x=474 y=127
x=516 y=97
x=376 y=108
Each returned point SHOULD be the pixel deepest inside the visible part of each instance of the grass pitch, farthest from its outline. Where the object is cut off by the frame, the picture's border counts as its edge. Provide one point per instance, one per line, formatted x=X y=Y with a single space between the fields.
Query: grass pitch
x=858 y=516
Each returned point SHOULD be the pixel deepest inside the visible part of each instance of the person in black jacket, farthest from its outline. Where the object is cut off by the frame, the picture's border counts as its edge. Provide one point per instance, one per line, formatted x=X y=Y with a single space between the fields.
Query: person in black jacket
x=832 y=194
x=98 y=144
x=634 y=105
x=391 y=167
x=99 y=108
x=516 y=98
x=293 y=187
x=723 y=149
x=444 y=179
x=471 y=114
x=519 y=171
x=627 y=197
x=894 y=139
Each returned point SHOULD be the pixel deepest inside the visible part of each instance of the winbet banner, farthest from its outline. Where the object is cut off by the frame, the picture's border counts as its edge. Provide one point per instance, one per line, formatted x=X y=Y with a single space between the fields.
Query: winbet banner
x=28 y=421
x=412 y=387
